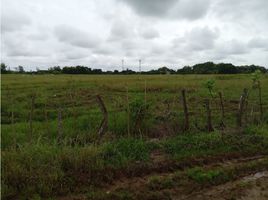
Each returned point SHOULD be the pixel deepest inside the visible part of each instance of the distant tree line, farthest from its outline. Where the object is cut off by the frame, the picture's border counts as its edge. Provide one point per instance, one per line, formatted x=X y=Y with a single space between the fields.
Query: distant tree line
x=202 y=68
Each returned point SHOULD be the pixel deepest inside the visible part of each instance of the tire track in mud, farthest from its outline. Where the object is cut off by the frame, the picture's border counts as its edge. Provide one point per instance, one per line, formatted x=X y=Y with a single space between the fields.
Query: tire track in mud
x=203 y=163
x=251 y=187
x=165 y=168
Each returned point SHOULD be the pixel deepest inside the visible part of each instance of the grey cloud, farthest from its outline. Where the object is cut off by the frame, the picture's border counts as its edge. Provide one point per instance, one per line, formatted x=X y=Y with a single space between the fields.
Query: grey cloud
x=233 y=47
x=190 y=9
x=76 y=54
x=107 y=48
x=42 y=36
x=201 y=38
x=75 y=37
x=157 y=50
x=121 y=30
x=197 y=39
x=33 y=33
x=14 y=21
x=104 y=51
x=258 y=42
x=15 y=46
x=151 y=7
x=179 y=9
x=247 y=13
x=129 y=44
x=150 y=33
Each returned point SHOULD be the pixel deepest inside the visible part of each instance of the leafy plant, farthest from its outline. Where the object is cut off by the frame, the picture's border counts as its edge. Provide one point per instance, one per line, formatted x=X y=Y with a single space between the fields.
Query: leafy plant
x=210 y=85
x=138 y=113
x=255 y=77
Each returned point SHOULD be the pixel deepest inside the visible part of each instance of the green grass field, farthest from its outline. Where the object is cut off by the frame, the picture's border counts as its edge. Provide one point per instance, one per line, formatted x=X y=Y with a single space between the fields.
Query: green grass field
x=44 y=156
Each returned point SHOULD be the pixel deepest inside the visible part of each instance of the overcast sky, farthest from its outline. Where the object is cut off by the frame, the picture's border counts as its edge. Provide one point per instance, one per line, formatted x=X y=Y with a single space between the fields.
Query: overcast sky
x=100 y=33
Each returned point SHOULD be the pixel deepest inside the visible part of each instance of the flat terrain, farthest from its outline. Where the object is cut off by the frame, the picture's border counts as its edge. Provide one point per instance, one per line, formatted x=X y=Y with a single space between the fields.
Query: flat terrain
x=51 y=148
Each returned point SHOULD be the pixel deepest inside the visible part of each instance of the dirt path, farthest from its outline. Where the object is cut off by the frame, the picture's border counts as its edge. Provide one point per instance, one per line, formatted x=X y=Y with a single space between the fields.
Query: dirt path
x=250 y=184
x=136 y=181
x=252 y=187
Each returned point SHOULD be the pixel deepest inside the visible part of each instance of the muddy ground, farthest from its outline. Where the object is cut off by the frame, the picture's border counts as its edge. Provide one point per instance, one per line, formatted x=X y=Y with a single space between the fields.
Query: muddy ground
x=252 y=187
x=249 y=182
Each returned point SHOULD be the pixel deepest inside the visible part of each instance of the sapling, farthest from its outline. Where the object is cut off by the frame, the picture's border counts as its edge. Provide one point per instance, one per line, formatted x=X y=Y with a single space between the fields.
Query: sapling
x=210 y=84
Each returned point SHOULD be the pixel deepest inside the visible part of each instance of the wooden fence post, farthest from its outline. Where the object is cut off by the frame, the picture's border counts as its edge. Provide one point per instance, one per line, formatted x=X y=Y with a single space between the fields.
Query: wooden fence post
x=222 y=109
x=241 y=107
x=260 y=100
x=46 y=119
x=12 y=121
x=104 y=123
x=128 y=114
x=145 y=102
x=185 y=110
x=209 y=121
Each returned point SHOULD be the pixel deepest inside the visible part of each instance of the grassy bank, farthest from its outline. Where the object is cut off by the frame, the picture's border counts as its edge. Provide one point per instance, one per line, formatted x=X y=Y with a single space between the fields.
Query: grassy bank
x=49 y=170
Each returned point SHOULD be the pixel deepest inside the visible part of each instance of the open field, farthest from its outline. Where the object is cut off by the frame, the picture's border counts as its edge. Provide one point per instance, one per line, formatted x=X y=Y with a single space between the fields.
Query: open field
x=51 y=148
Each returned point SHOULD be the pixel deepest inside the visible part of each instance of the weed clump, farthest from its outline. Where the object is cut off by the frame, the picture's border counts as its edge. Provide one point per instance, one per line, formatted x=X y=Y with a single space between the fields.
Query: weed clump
x=205 y=176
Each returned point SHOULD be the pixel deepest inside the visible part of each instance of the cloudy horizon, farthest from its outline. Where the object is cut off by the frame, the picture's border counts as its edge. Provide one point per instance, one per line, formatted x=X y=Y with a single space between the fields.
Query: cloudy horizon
x=100 y=33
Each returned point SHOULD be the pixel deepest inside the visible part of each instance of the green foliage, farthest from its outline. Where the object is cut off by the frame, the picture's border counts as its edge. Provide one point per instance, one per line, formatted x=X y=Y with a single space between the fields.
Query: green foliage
x=194 y=144
x=44 y=169
x=210 y=85
x=255 y=77
x=205 y=144
x=20 y=69
x=204 y=176
x=125 y=150
x=138 y=109
x=139 y=113
x=3 y=68
x=205 y=68
x=227 y=68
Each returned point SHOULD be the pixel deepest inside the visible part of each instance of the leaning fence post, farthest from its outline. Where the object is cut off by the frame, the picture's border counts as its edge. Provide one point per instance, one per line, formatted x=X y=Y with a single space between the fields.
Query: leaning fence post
x=104 y=123
x=185 y=110
x=241 y=107
x=209 y=122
